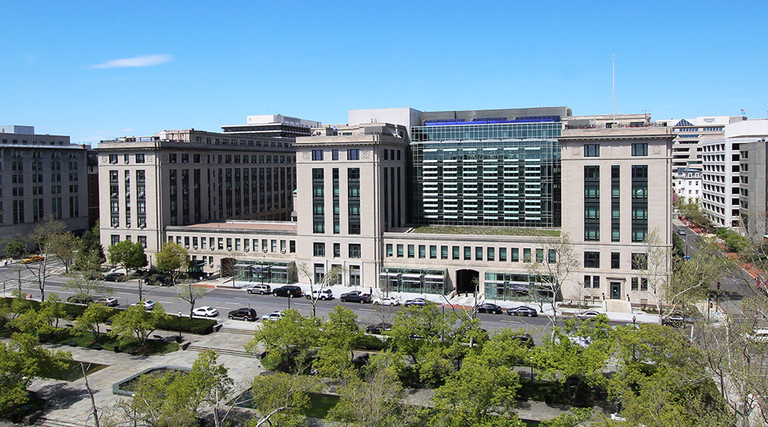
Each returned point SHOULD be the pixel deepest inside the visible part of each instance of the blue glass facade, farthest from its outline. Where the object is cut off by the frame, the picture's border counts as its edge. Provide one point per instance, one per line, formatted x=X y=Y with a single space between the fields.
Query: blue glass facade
x=492 y=174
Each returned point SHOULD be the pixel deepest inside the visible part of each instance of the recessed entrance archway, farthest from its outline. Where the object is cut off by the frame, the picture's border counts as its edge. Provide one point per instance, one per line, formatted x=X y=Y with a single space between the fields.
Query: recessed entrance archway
x=467 y=281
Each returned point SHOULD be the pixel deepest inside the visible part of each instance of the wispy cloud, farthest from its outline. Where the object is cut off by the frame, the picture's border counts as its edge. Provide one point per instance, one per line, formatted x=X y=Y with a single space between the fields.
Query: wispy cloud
x=138 y=61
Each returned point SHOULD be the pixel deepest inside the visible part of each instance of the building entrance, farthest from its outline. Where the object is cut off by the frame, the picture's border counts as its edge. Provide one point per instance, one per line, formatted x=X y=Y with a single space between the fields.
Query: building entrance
x=467 y=281
x=615 y=290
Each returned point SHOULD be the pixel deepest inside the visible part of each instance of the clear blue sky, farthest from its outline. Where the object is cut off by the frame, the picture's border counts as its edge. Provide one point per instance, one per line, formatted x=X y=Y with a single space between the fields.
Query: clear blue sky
x=65 y=65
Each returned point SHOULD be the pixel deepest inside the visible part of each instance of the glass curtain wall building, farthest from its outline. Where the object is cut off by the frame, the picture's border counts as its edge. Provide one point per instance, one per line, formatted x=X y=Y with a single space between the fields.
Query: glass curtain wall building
x=487 y=172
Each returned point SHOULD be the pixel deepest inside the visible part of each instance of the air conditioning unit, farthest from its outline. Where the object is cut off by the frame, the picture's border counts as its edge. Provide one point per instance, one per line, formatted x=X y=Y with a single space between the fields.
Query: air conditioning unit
x=282 y=251
x=264 y=250
x=143 y=226
x=194 y=247
x=229 y=248
x=186 y=246
x=246 y=249
x=127 y=225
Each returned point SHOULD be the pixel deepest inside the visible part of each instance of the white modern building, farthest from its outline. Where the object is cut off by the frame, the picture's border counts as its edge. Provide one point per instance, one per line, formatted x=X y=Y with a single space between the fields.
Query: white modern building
x=687 y=184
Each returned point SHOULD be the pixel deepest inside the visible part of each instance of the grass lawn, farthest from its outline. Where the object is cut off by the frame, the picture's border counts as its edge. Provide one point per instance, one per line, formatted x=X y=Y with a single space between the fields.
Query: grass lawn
x=109 y=343
x=320 y=404
x=71 y=372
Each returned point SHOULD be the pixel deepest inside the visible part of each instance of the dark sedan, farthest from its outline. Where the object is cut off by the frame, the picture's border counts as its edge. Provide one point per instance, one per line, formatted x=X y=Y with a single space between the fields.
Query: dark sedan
x=489 y=308
x=356 y=296
x=523 y=311
x=378 y=328
x=288 y=291
x=248 y=314
x=416 y=302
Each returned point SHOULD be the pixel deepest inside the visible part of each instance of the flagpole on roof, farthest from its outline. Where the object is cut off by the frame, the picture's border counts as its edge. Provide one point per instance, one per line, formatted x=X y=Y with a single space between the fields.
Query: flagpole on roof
x=614 y=87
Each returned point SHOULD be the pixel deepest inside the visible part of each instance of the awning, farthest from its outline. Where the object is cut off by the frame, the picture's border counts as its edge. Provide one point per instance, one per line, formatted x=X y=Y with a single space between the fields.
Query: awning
x=411 y=276
x=434 y=277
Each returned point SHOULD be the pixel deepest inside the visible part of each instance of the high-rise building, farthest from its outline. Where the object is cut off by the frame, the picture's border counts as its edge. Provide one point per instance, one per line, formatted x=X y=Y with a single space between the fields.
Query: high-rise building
x=41 y=177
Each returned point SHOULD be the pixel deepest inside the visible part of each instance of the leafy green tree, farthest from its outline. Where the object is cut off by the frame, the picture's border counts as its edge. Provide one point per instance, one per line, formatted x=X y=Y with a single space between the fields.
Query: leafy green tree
x=574 y=418
x=15 y=248
x=91 y=319
x=479 y=394
x=163 y=401
x=332 y=277
x=127 y=254
x=136 y=323
x=337 y=343
x=289 y=341
x=21 y=360
x=568 y=356
x=64 y=246
x=281 y=399
x=211 y=384
x=171 y=258
x=91 y=254
x=375 y=400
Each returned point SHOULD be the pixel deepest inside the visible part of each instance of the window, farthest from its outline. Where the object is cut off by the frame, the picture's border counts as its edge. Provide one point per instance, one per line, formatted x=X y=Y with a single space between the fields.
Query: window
x=515 y=255
x=456 y=252
x=113 y=159
x=539 y=255
x=639 y=261
x=411 y=251
x=319 y=249
x=467 y=253
x=389 y=249
x=591 y=150
x=317 y=155
x=503 y=254
x=433 y=251
x=336 y=250
x=443 y=252
x=354 y=250
x=634 y=283
x=422 y=251
x=334 y=154
x=353 y=154
x=643 y=284
x=139 y=158
x=491 y=252
x=526 y=254
x=400 y=250
x=478 y=253
x=172 y=158
x=591 y=259
x=596 y=282
x=615 y=263
x=552 y=256
x=640 y=149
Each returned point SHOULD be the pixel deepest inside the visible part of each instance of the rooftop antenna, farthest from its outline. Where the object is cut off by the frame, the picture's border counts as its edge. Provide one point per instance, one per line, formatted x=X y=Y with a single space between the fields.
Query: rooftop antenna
x=614 y=87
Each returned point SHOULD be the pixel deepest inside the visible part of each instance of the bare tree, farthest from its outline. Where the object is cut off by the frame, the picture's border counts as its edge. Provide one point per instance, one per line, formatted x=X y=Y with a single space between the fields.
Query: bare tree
x=552 y=275
x=189 y=293
x=44 y=238
x=326 y=281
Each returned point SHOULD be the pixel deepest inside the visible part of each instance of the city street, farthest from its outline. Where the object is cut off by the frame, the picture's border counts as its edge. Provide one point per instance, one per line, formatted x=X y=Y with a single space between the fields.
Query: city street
x=227 y=299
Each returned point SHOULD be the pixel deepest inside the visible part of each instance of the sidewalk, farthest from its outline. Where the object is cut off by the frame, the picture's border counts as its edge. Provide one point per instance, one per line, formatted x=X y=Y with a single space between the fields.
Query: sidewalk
x=68 y=403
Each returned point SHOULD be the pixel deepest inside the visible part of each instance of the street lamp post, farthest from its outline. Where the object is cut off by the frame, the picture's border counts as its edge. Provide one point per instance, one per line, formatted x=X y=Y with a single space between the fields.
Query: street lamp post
x=179 y=326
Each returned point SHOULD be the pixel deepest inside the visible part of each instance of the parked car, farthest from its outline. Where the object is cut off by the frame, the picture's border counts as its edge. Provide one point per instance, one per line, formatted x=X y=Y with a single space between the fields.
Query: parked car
x=416 y=302
x=322 y=295
x=148 y=305
x=248 y=314
x=205 y=311
x=523 y=310
x=287 y=291
x=675 y=319
x=759 y=335
x=488 y=307
x=525 y=340
x=588 y=315
x=33 y=258
x=378 y=328
x=681 y=232
x=274 y=316
x=260 y=289
x=80 y=299
x=386 y=301
x=115 y=277
x=356 y=296
x=108 y=301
